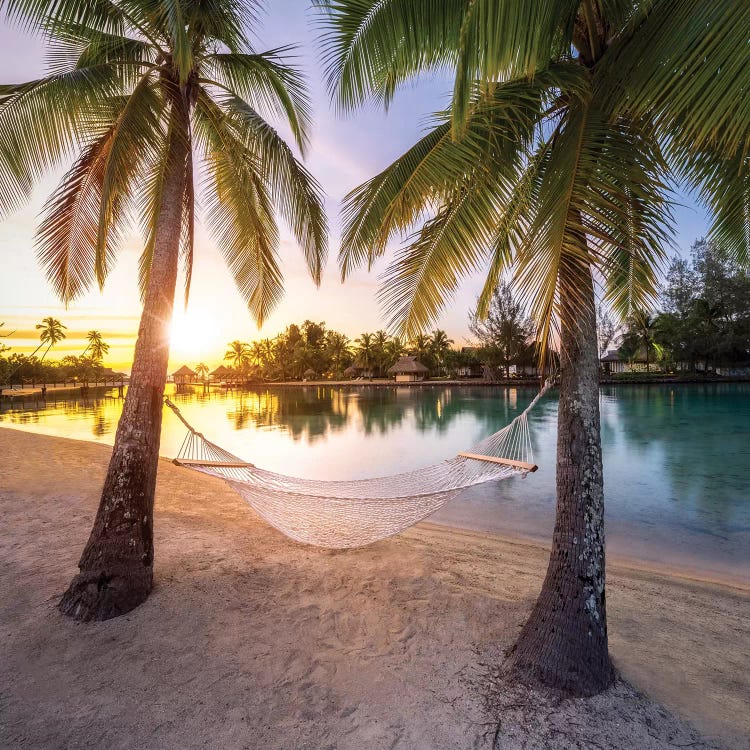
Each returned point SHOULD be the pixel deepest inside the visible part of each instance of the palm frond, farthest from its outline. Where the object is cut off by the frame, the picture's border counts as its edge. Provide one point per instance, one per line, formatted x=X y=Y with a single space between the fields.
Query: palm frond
x=42 y=121
x=268 y=83
x=137 y=127
x=239 y=211
x=723 y=186
x=67 y=237
x=497 y=137
x=370 y=46
x=297 y=196
x=684 y=63
x=501 y=41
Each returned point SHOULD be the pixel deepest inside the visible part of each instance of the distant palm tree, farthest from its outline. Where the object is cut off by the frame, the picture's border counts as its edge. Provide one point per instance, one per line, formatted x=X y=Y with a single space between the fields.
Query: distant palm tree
x=338 y=350
x=141 y=89
x=365 y=351
x=640 y=336
x=3 y=347
x=421 y=347
x=379 y=342
x=257 y=352
x=394 y=349
x=201 y=370
x=96 y=346
x=440 y=345
x=52 y=332
x=238 y=354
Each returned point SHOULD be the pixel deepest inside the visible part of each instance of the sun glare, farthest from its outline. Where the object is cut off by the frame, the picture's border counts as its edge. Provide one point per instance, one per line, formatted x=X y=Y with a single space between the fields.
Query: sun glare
x=194 y=335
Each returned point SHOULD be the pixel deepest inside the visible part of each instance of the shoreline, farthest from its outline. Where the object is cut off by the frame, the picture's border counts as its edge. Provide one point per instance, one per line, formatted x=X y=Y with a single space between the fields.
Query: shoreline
x=675 y=560
x=250 y=639
x=36 y=393
x=689 y=574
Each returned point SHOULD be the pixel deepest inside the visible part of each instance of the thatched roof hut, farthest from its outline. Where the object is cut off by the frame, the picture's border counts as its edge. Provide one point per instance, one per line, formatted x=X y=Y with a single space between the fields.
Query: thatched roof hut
x=184 y=375
x=351 y=371
x=408 y=369
x=309 y=373
x=221 y=373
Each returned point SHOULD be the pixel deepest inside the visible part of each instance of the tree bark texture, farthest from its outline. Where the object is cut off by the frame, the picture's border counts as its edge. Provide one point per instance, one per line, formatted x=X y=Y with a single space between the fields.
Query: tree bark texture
x=116 y=567
x=564 y=642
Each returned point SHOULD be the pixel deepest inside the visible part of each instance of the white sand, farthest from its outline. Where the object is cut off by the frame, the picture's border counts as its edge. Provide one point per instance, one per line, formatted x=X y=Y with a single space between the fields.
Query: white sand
x=252 y=641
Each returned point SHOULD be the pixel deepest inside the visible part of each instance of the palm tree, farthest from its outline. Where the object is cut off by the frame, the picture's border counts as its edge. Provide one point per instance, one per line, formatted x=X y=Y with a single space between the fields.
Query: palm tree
x=365 y=350
x=96 y=345
x=3 y=347
x=421 y=347
x=379 y=342
x=239 y=355
x=440 y=345
x=137 y=91
x=641 y=336
x=201 y=369
x=394 y=349
x=337 y=350
x=256 y=352
x=567 y=122
x=52 y=331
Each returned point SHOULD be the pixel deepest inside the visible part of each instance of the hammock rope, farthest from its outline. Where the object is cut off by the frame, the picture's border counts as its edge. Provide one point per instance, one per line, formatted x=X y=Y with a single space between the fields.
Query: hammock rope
x=352 y=513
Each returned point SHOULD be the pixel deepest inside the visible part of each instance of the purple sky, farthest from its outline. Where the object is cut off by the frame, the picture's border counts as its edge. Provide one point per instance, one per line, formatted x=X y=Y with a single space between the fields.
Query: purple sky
x=344 y=152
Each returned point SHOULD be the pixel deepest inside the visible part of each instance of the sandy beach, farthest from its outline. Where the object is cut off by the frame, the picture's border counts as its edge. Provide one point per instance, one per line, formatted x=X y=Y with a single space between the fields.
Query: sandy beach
x=252 y=641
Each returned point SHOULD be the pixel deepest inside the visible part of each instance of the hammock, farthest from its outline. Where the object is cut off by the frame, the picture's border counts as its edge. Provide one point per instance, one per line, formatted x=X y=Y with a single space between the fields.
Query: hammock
x=353 y=513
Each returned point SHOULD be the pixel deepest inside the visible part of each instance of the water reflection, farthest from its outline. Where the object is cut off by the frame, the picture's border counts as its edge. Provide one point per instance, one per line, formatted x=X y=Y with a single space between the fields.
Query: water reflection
x=676 y=457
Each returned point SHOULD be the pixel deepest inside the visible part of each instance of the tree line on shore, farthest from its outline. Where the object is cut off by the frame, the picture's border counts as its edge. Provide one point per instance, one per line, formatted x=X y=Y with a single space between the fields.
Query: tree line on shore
x=85 y=368
x=704 y=320
x=313 y=347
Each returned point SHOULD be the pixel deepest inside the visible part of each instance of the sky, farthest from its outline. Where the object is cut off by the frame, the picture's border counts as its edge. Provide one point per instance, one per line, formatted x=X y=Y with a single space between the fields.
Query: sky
x=344 y=152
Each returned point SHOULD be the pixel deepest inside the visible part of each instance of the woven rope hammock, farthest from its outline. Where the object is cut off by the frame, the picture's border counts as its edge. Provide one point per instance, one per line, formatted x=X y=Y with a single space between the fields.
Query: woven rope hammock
x=353 y=513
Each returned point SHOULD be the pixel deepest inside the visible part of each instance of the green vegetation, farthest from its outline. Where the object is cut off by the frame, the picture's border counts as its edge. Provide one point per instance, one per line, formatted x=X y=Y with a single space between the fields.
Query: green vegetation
x=18 y=369
x=506 y=335
x=567 y=125
x=329 y=353
x=148 y=100
x=705 y=322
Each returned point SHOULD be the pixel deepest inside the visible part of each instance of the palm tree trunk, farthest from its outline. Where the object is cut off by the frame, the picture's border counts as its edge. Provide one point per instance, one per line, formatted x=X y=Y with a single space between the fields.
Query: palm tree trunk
x=117 y=563
x=564 y=642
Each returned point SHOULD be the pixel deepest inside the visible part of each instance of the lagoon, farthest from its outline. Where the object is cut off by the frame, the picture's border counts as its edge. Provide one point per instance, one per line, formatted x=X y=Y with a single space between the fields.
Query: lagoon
x=677 y=457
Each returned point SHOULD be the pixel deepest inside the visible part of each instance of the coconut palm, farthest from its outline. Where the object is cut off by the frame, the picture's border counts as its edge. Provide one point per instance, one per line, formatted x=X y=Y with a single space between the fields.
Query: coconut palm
x=4 y=347
x=138 y=91
x=201 y=369
x=640 y=336
x=338 y=350
x=568 y=120
x=394 y=349
x=379 y=342
x=239 y=354
x=440 y=345
x=365 y=351
x=52 y=331
x=421 y=347
x=96 y=346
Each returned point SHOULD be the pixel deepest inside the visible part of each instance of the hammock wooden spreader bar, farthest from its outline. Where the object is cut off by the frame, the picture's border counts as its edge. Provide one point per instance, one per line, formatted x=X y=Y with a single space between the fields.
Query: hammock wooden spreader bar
x=507 y=461
x=225 y=464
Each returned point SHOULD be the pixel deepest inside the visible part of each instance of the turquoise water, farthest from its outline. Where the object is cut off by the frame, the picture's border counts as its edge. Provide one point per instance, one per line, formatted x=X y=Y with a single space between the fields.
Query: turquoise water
x=677 y=458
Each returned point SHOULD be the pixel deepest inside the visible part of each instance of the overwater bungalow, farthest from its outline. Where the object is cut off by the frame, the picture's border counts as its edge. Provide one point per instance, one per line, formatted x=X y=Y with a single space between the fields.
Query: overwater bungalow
x=184 y=376
x=408 y=370
x=221 y=374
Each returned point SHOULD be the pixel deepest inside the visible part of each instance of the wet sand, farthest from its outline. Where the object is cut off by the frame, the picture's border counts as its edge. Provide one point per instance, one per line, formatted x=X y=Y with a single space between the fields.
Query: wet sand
x=250 y=640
